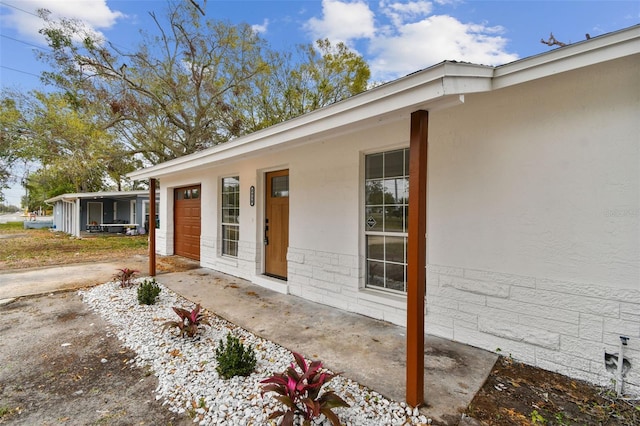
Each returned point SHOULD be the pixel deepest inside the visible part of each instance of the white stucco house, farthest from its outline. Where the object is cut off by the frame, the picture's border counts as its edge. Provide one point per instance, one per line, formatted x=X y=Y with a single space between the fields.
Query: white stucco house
x=532 y=205
x=105 y=211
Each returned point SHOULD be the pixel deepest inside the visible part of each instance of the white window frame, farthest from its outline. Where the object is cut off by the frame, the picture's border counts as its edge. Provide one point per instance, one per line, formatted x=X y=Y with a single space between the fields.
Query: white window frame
x=227 y=243
x=132 y=212
x=379 y=212
x=145 y=209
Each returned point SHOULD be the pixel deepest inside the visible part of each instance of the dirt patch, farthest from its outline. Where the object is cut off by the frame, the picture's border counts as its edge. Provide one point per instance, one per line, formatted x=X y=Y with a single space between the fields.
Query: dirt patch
x=59 y=365
x=518 y=394
x=7 y=236
x=175 y=264
x=164 y=264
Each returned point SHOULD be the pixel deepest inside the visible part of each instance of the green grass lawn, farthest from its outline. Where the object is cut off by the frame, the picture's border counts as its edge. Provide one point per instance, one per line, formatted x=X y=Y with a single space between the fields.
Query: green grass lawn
x=26 y=248
x=11 y=227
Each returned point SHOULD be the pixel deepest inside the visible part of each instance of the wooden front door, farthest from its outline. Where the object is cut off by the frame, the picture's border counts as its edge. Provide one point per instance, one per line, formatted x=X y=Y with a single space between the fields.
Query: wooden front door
x=186 y=216
x=276 y=226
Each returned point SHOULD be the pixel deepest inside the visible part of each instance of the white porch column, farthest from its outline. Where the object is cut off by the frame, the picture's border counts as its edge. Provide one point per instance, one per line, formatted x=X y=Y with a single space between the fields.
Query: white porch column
x=76 y=216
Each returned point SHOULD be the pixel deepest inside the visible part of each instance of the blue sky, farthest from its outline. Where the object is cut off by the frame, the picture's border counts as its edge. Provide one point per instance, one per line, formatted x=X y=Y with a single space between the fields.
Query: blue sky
x=395 y=37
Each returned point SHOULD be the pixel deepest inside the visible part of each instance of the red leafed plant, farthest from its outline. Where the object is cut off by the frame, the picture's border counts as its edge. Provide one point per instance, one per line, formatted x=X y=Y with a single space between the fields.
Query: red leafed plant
x=125 y=276
x=189 y=321
x=299 y=391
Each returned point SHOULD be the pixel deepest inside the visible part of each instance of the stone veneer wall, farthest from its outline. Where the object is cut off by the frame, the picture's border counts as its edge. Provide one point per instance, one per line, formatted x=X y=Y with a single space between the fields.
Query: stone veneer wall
x=243 y=266
x=559 y=326
x=556 y=325
x=333 y=279
x=164 y=245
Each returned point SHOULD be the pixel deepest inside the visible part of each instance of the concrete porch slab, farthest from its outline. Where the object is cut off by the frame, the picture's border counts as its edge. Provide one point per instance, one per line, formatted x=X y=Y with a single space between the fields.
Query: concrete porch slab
x=369 y=351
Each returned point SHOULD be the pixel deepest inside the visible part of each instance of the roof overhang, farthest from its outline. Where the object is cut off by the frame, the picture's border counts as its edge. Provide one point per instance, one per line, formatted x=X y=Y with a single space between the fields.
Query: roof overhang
x=129 y=195
x=434 y=88
x=596 y=50
x=441 y=86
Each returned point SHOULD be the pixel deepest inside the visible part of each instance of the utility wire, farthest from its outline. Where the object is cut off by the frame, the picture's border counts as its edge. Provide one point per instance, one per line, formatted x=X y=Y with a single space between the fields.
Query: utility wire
x=25 y=42
x=17 y=8
x=21 y=41
x=20 y=71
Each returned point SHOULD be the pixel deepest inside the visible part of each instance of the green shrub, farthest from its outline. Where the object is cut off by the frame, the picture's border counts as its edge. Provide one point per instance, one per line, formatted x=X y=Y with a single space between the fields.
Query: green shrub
x=234 y=359
x=148 y=292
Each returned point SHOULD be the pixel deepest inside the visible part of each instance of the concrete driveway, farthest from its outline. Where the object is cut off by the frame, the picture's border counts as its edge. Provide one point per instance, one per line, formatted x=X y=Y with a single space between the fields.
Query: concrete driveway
x=30 y=282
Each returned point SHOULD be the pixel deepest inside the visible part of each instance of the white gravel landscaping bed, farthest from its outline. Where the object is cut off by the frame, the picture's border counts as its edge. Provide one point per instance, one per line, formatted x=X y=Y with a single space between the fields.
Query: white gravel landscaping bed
x=188 y=381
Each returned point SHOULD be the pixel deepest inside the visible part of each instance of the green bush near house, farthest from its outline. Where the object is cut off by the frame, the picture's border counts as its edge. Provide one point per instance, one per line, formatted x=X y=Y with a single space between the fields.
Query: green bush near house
x=148 y=292
x=234 y=359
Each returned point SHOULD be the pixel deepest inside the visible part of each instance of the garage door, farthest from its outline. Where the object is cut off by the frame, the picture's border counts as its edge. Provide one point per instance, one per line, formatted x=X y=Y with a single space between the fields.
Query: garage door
x=186 y=219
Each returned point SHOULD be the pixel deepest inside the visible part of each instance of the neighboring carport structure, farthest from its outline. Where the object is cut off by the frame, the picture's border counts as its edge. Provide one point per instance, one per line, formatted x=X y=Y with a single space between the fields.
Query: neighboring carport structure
x=74 y=213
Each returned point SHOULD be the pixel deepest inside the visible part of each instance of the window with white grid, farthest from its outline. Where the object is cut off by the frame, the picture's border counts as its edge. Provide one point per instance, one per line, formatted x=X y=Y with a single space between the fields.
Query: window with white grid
x=386 y=212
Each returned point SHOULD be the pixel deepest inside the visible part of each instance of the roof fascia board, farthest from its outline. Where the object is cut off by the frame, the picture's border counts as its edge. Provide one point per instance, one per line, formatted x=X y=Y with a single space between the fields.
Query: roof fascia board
x=246 y=151
x=84 y=195
x=415 y=91
x=63 y=197
x=588 y=52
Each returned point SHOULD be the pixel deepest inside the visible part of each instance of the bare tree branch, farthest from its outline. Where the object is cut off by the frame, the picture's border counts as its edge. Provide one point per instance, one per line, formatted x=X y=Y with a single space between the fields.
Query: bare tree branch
x=197 y=6
x=552 y=41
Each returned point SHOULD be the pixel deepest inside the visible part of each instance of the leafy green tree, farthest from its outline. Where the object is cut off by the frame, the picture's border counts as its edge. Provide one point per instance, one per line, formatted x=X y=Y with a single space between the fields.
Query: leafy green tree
x=327 y=74
x=45 y=184
x=5 y=208
x=172 y=95
x=196 y=82
x=299 y=82
x=10 y=141
x=192 y=84
x=69 y=141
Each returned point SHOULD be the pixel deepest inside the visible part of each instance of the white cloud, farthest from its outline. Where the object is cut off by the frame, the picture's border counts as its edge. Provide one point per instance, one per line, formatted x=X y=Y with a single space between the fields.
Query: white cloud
x=342 y=21
x=432 y=40
x=94 y=13
x=400 y=12
x=406 y=36
x=261 y=28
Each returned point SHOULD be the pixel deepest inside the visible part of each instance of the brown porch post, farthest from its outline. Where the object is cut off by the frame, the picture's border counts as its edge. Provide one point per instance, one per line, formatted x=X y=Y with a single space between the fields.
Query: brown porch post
x=416 y=256
x=152 y=227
